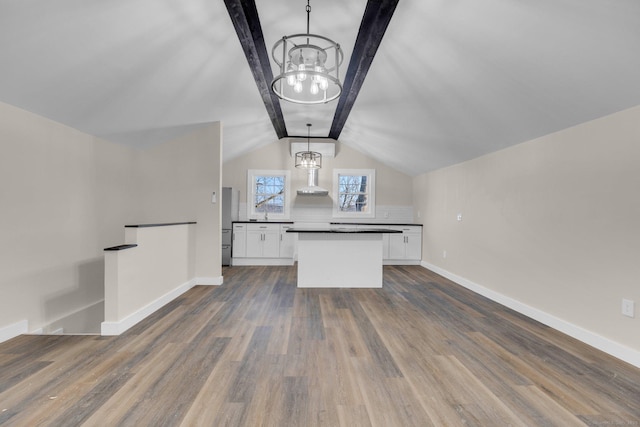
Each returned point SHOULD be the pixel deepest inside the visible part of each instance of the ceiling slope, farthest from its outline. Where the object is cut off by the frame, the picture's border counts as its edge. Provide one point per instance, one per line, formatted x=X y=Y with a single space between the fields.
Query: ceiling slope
x=375 y=21
x=451 y=80
x=244 y=16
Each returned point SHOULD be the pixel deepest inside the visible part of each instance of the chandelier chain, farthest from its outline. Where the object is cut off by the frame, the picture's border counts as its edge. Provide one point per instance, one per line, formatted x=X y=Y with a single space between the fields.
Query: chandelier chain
x=308 y=9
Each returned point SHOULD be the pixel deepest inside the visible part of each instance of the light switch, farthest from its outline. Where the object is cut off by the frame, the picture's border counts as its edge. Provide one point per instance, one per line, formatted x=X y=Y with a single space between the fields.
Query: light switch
x=213 y=197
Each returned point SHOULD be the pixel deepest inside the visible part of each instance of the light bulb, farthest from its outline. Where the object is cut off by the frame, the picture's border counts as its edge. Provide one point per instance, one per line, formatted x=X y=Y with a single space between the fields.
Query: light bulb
x=291 y=79
x=314 y=88
x=316 y=77
x=302 y=76
x=324 y=83
x=297 y=87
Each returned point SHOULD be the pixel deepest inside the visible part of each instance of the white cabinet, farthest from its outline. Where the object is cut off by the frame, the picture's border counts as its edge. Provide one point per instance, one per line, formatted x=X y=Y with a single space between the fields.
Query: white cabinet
x=397 y=246
x=413 y=246
x=263 y=240
x=405 y=247
x=239 y=245
x=262 y=244
x=287 y=241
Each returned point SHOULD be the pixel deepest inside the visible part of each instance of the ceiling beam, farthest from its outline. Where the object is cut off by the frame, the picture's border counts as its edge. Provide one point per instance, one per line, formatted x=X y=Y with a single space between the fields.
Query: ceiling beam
x=244 y=16
x=375 y=21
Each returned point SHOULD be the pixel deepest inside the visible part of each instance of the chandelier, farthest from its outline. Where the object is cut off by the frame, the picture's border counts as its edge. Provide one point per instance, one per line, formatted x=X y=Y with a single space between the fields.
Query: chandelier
x=308 y=159
x=309 y=67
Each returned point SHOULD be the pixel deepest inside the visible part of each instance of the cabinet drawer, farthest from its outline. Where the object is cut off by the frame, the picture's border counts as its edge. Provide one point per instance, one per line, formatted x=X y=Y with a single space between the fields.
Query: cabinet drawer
x=263 y=227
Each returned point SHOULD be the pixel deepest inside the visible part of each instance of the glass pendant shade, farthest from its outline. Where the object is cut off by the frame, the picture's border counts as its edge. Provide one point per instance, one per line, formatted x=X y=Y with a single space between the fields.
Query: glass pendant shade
x=308 y=160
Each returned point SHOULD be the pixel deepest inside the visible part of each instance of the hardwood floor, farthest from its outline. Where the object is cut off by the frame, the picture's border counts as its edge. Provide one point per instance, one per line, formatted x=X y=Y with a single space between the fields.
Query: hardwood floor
x=256 y=351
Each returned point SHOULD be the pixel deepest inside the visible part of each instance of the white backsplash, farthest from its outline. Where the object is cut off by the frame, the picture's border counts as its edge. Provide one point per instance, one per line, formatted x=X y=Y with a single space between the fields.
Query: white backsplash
x=322 y=213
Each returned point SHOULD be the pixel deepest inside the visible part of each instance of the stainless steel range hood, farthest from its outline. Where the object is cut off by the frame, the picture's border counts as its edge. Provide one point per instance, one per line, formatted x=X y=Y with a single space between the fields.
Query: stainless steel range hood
x=312 y=188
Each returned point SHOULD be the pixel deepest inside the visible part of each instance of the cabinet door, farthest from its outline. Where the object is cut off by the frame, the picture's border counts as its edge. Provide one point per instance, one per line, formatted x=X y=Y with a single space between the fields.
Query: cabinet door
x=271 y=243
x=239 y=242
x=413 y=246
x=287 y=242
x=396 y=246
x=254 y=243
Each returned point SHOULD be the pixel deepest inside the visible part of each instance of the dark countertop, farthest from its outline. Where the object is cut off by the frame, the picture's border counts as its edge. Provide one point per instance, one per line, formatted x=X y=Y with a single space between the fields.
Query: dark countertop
x=343 y=230
x=120 y=247
x=330 y=223
x=262 y=222
x=376 y=223
x=165 y=224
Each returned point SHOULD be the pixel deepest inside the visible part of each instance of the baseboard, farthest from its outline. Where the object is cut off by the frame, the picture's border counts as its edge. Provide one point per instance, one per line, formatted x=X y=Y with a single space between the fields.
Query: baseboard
x=13 y=330
x=261 y=261
x=209 y=281
x=116 y=328
x=400 y=262
x=610 y=347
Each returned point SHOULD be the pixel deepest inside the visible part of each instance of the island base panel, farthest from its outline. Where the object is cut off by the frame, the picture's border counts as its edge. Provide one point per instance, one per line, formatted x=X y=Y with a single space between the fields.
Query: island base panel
x=339 y=260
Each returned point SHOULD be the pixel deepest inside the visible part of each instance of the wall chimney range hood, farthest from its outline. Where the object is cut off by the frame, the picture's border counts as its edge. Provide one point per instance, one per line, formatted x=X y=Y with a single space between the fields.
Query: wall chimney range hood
x=312 y=188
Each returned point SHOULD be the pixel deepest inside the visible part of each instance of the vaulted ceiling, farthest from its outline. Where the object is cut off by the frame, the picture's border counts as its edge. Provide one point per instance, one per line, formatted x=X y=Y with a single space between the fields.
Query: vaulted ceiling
x=451 y=80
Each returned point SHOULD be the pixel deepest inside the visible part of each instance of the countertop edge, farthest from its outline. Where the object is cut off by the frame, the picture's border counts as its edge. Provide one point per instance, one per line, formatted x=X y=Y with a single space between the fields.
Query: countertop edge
x=165 y=224
x=120 y=247
x=342 y=230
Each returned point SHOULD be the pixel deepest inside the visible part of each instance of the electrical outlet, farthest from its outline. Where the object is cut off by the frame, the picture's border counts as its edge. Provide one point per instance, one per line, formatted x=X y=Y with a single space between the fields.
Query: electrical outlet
x=459 y=217
x=444 y=254
x=628 y=307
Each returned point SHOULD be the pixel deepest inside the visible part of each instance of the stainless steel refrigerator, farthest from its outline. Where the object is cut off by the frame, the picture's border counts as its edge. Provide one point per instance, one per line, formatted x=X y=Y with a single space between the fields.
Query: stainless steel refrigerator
x=229 y=206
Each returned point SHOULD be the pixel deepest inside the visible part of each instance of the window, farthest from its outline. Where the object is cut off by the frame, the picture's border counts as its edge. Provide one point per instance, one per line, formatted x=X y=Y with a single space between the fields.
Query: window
x=354 y=193
x=268 y=194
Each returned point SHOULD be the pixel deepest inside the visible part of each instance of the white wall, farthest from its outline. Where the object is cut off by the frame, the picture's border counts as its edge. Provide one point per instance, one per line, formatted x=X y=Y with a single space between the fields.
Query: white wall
x=393 y=188
x=65 y=196
x=176 y=181
x=551 y=224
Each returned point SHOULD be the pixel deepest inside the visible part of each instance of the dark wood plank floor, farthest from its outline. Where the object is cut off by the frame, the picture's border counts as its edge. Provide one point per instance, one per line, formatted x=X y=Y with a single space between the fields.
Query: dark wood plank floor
x=258 y=351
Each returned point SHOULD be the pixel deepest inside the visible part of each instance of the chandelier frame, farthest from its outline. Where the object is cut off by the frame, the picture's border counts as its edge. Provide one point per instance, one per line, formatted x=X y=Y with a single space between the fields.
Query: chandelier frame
x=300 y=56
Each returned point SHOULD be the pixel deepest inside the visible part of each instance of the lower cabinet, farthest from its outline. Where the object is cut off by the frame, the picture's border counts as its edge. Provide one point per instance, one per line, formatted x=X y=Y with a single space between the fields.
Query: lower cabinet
x=405 y=248
x=401 y=248
x=287 y=241
x=262 y=244
x=239 y=241
x=263 y=241
x=270 y=244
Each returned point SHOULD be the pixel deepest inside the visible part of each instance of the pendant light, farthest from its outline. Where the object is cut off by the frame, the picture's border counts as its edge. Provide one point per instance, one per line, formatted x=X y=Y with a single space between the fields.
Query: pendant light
x=308 y=159
x=309 y=66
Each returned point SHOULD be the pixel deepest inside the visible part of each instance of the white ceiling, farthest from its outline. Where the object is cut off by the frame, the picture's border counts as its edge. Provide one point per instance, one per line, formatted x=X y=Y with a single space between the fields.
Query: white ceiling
x=452 y=80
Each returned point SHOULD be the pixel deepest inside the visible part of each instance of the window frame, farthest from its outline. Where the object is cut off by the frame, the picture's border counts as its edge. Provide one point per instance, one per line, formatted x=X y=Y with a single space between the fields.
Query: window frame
x=251 y=179
x=371 y=193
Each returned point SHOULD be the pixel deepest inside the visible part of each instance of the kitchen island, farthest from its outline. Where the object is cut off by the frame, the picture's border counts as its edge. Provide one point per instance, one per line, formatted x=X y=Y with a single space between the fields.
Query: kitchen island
x=340 y=257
